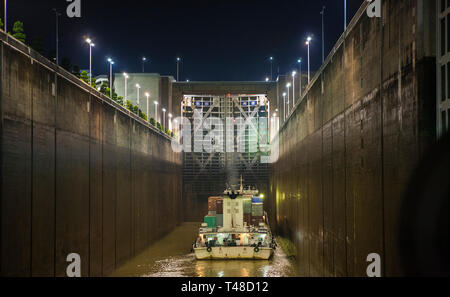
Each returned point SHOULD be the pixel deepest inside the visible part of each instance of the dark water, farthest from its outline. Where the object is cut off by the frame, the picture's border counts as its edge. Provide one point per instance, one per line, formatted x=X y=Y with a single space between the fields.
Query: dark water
x=171 y=257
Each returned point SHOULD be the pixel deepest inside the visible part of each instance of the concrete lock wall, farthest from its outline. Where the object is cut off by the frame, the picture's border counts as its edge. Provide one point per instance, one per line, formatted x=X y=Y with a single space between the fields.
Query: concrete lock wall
x=79 y=174
x=353 y=141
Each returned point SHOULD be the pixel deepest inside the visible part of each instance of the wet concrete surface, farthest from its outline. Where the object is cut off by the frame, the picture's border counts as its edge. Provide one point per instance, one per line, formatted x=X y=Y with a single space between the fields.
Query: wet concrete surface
x=172 y=257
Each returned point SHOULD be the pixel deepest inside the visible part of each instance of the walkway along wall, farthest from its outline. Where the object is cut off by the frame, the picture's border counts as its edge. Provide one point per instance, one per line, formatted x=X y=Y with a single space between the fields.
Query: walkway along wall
x=79 y=174
x=353 y=141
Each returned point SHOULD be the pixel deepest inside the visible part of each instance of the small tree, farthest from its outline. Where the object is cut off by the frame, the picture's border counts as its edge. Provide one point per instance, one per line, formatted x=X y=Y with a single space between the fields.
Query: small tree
x=84 y=76
x=129 y=105
x=152 y=121
x=1 y=23
x=142 y=115
x=18 y=31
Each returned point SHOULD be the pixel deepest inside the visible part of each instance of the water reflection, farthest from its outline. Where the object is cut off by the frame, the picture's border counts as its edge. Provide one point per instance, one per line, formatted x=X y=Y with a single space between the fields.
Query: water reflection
x=171 y=257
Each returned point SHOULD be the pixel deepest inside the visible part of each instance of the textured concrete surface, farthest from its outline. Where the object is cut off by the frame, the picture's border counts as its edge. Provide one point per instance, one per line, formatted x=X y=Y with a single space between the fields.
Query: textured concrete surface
x=79 y=174
x=353 y=141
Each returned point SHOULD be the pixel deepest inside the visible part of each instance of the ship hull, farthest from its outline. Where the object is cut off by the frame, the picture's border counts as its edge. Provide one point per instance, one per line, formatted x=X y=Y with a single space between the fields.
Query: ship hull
x=233 y=253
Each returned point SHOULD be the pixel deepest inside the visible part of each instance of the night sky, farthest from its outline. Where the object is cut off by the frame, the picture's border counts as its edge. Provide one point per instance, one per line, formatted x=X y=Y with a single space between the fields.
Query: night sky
x=217 y=40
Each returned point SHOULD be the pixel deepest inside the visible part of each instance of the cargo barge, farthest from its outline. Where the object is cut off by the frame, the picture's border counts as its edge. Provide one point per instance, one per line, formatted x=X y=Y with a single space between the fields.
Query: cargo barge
x=236 y=227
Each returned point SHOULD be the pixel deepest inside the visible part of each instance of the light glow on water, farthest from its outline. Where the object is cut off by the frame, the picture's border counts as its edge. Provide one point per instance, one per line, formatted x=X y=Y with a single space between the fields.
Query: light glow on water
x=171 y=257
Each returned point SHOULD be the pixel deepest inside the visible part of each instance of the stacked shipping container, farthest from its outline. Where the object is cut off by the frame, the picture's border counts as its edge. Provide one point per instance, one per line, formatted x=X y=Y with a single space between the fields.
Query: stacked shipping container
x=253 y=211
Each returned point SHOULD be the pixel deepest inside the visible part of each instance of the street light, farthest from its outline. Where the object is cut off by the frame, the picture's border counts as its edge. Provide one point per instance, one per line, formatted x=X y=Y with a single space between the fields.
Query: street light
x=323 y=35
x=299 y=61
x=294 y=73
x=170 y=121
x=271 y=68
x=148 y=108
x=57 y=14
x=144 y=60
x=156 y=110
x=164 y=118
x=91 y=45
x=6 y=16
x=138 y=87
x=175 y=129
x=267 y=79
x=111 y=63
x=126 y=89
x=308 y=42
x=178 y=68
x=345 y=15
x=288 y=85
x=284 y=104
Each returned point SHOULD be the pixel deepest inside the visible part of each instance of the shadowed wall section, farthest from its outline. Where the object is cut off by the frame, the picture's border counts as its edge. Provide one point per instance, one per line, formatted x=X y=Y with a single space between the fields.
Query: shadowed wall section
x=353 y=141
x=79 y=174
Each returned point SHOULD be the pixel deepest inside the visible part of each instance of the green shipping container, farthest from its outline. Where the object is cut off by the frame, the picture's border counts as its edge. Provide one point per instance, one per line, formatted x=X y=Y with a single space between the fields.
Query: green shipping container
x=211 y=221
x=247 y=206
x=257 y=210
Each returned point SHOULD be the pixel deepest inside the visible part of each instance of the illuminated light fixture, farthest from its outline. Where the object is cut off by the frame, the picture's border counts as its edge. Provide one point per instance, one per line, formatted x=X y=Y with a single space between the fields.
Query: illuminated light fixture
x=147 y=94
x=138 y=87
x=125 y=75
x=308 y=42
x=111 y=63
x=164 y=118
x=156 y=110
x=91 y=45
x=144 y=60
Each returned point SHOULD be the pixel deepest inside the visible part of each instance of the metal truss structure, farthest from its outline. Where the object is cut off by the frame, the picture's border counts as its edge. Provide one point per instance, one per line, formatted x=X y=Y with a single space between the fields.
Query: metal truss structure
x=237 y=151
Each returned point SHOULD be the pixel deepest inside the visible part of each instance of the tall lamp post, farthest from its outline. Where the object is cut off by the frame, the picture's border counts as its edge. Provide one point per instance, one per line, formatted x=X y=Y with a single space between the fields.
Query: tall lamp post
x=126 y=89
x=6 y=16
x=148 y=107
x=144 y=60
x=294 y=73
x=323 y=34
x=164 y=118
x=284 y=105
x=91 y=45
x=111 y=63
x=178 y=68
x=271 y=68
x=57 y=14
x=299 y=61
x=170 y=121
x=288 y=86
x=156 y=110
x=308 y=42
x=345 y=15
x=138 y=87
